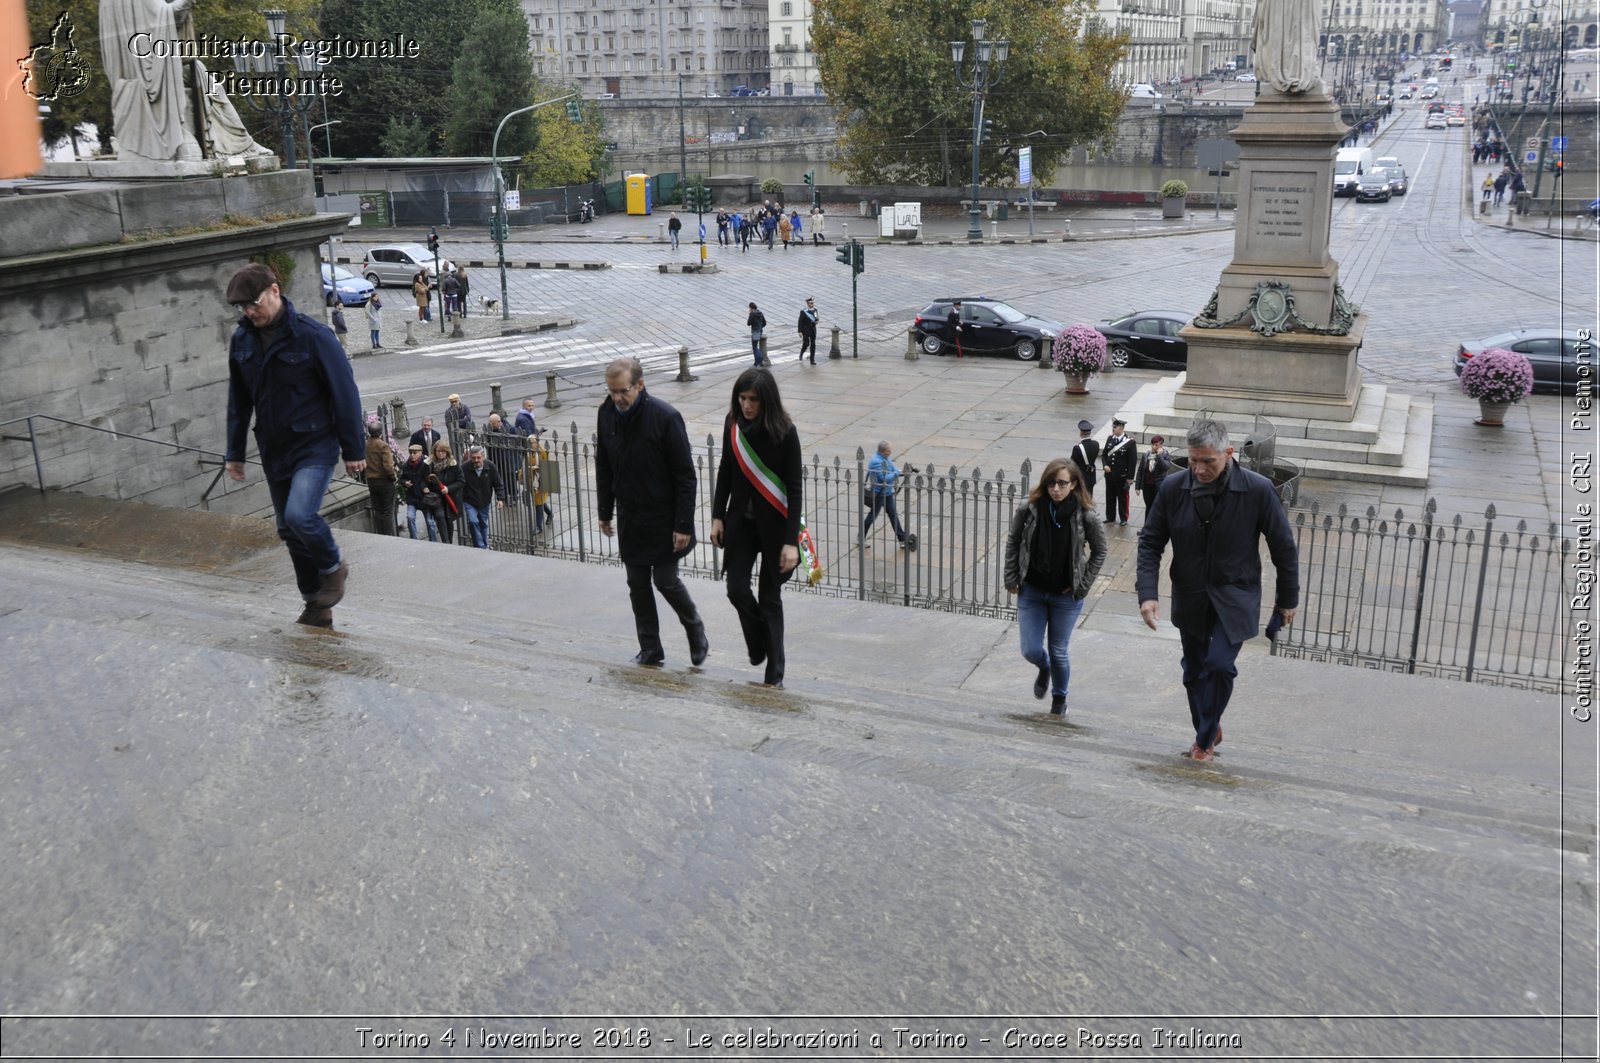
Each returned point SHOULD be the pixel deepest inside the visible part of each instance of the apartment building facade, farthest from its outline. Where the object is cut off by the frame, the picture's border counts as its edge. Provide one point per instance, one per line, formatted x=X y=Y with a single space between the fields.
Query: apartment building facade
x=1175 y=39
x=649 y=48
x=793 y=61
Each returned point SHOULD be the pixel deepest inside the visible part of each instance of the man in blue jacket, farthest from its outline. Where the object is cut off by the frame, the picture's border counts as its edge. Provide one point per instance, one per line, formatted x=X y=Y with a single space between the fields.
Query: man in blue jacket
x=1214 y=513
x=288 y=372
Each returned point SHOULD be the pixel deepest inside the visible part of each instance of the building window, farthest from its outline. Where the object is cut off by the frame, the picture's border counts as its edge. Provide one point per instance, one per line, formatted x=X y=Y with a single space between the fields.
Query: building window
x=786 y=8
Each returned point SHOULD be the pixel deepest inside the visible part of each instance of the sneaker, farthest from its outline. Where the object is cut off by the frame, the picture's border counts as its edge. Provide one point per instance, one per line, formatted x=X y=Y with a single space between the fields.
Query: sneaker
x=1041 y=685
x=1058 y=706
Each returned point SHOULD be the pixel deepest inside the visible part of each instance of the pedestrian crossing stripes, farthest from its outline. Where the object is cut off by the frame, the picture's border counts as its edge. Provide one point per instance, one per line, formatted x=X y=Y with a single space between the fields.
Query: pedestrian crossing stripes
x=569 y=353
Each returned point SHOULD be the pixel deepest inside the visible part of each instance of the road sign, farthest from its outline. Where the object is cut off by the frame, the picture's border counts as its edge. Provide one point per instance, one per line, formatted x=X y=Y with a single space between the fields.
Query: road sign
x=1558 y=143
x=1025 y=167
x=1533 y=144
x=1533 y=156
x=513 y=199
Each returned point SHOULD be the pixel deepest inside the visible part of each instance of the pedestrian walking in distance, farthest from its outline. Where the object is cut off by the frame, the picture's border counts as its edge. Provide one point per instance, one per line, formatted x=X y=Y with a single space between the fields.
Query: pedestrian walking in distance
x=674 y=227
x=1055 y=549
x=287 y=372
x=1214 y=513
x=645 y=479
x=755 y=512
x=808 y=330
x=757 y=322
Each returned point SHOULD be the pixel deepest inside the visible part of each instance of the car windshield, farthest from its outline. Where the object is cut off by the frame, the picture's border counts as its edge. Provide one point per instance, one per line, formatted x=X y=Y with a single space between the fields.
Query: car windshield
x=339 y=273
x=1503 y=339
x=1009 y=314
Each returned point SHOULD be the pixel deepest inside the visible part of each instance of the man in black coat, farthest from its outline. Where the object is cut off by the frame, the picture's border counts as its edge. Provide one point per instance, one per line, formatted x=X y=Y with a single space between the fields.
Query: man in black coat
x=426 y=436
x=1120 y=460
x=644 y=472
x=1086 y=455
x=480 y=486
x=1214 y=513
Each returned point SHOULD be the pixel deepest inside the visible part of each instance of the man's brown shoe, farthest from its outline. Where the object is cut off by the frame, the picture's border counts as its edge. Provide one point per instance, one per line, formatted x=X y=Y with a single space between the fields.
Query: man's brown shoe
x=316 y=616
x=332 y=591
x=1197 y=754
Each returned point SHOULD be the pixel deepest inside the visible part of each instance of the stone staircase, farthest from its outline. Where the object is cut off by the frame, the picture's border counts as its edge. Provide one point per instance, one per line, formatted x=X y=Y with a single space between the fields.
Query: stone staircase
x=465 y=801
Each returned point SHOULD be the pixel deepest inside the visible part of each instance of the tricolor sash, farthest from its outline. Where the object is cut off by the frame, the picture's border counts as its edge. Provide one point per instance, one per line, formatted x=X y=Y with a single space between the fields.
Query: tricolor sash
x=766 y=482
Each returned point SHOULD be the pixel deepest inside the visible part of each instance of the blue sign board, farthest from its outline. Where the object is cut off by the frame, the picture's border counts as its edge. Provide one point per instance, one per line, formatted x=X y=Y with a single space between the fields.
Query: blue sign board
x=1558 y=143
x=1025 y=167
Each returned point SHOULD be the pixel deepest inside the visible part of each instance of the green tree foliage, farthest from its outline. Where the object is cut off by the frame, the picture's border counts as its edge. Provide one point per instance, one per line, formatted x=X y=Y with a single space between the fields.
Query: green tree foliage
x=404 y=138
x=886 y=68
x=493 y=76
x=211 y=18
x=567 y=152
x=384 y=98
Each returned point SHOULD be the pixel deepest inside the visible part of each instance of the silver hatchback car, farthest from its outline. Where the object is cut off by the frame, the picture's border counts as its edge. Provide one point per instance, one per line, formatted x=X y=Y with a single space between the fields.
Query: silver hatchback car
x=397 y=264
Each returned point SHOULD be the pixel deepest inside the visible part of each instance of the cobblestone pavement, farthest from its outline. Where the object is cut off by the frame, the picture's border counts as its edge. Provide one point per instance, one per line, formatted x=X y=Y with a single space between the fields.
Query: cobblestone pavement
x=1424 y=269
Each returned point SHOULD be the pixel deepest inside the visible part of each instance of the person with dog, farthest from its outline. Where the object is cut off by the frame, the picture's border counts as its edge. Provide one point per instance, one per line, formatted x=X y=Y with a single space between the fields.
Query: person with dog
x=466 y=287
x=450 y=287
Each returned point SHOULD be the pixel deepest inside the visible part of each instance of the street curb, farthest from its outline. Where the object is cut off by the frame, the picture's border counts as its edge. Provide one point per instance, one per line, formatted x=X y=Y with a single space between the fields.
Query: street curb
x=545 y=325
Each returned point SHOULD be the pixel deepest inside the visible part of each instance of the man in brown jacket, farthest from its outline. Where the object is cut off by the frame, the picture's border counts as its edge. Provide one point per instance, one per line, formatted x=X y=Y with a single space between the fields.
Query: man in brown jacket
x=381 y=475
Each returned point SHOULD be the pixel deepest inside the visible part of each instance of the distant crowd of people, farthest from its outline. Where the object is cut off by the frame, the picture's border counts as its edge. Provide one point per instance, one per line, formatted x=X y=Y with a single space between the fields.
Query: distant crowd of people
x=770 y=224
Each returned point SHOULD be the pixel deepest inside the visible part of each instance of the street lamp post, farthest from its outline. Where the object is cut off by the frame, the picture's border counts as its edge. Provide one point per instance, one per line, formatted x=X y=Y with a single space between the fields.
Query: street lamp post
x=987 y=60
x=502 y=228
x=312 y=162
x=285 y=108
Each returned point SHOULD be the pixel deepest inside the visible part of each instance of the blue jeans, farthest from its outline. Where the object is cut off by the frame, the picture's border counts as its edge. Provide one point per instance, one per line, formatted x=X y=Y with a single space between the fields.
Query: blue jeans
x=755 y=344
x=879 y=504
x=1041 y=616
x=674 y=234
x=478 y=522
x=411 y=522
x=297 y=505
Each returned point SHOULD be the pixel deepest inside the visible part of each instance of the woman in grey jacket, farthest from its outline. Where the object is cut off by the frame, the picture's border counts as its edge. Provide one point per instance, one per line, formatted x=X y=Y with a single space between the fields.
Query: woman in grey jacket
x=1056 y=547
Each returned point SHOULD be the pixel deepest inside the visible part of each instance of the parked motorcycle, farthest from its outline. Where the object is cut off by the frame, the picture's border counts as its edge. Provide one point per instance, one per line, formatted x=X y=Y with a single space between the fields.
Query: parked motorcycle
x=585 y=211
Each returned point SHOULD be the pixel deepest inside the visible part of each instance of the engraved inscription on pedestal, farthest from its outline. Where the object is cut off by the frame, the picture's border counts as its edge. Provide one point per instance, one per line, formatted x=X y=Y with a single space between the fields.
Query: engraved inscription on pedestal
x=1281 y=210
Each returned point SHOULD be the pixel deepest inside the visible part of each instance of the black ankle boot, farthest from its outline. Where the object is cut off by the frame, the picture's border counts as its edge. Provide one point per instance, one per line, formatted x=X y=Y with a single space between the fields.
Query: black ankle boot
x=1058 y=706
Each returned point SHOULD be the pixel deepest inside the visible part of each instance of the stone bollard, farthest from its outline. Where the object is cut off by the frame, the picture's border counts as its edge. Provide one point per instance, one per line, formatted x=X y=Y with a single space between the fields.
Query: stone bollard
x=833 y=348
x=455 y=332
x=411 y=332
x=684 y=376
x=397 y=418
x=1044 y=357
x=494 y=401
x=764 y=359
x=913 y=349
x=551 y=401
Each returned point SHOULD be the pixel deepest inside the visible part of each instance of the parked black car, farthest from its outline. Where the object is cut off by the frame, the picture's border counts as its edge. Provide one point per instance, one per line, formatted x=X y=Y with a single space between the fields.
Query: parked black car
x=988 y=326
x=1552 y=352
x=1147 y=337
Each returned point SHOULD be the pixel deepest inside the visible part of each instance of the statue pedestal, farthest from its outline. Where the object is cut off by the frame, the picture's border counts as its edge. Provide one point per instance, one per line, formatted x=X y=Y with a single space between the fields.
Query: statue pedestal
x=1286 y=151
x=155 y=170
x=1292 y=374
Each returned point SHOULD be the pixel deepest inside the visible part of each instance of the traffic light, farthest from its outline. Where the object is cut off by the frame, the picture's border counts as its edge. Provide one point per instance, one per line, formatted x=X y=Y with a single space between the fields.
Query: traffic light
x=845 y=255
x=433 y=241
x=574 y=113
x=988 y=129
x=858 y=260
x=811 y=178
x=697 y=198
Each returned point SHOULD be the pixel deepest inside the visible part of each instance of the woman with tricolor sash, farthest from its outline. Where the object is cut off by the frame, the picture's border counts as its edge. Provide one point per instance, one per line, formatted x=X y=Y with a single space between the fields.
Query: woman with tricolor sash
x=756 y=512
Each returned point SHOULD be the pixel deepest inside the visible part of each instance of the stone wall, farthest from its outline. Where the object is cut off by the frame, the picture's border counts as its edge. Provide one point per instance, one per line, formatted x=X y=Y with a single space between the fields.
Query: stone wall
x=109 y=319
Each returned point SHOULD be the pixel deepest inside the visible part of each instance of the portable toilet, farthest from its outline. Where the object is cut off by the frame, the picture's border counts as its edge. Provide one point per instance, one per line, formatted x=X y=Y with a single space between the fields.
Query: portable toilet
x=639 y=194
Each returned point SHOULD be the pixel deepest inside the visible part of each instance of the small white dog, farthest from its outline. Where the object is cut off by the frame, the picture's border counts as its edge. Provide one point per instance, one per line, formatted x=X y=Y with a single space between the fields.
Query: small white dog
x=488 y=304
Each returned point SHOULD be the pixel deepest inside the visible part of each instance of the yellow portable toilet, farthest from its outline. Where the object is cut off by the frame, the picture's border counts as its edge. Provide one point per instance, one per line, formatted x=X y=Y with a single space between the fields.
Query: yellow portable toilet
x=639 y=194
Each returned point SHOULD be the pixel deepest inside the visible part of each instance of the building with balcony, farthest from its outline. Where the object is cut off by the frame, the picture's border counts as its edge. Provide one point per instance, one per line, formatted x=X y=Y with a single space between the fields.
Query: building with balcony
x=1367 y=42
x=1175 y=39
x=1508 y=22
x=792 y=59
x=644 y=48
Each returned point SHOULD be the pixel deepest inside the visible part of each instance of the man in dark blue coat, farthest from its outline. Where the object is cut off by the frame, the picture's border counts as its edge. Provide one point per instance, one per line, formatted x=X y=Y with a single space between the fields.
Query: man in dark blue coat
x=1214 y=513
x=644 y=475
x=288 y=372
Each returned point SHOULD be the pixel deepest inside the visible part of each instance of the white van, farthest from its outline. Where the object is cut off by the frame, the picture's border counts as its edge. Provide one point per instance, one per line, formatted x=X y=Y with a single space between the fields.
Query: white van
x=1143 y=92
x=1348 y=166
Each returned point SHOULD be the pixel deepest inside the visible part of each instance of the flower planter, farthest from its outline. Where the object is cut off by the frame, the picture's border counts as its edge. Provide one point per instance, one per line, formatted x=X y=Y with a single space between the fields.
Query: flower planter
x=1492 y=414
x=1173 y=206
x=1077 y=383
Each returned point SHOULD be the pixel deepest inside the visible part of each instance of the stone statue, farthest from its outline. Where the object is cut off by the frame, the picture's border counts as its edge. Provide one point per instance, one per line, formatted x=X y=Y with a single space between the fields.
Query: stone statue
x=151 y=114
x=1285 y=45
x=149 y=111
x=224 y=128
